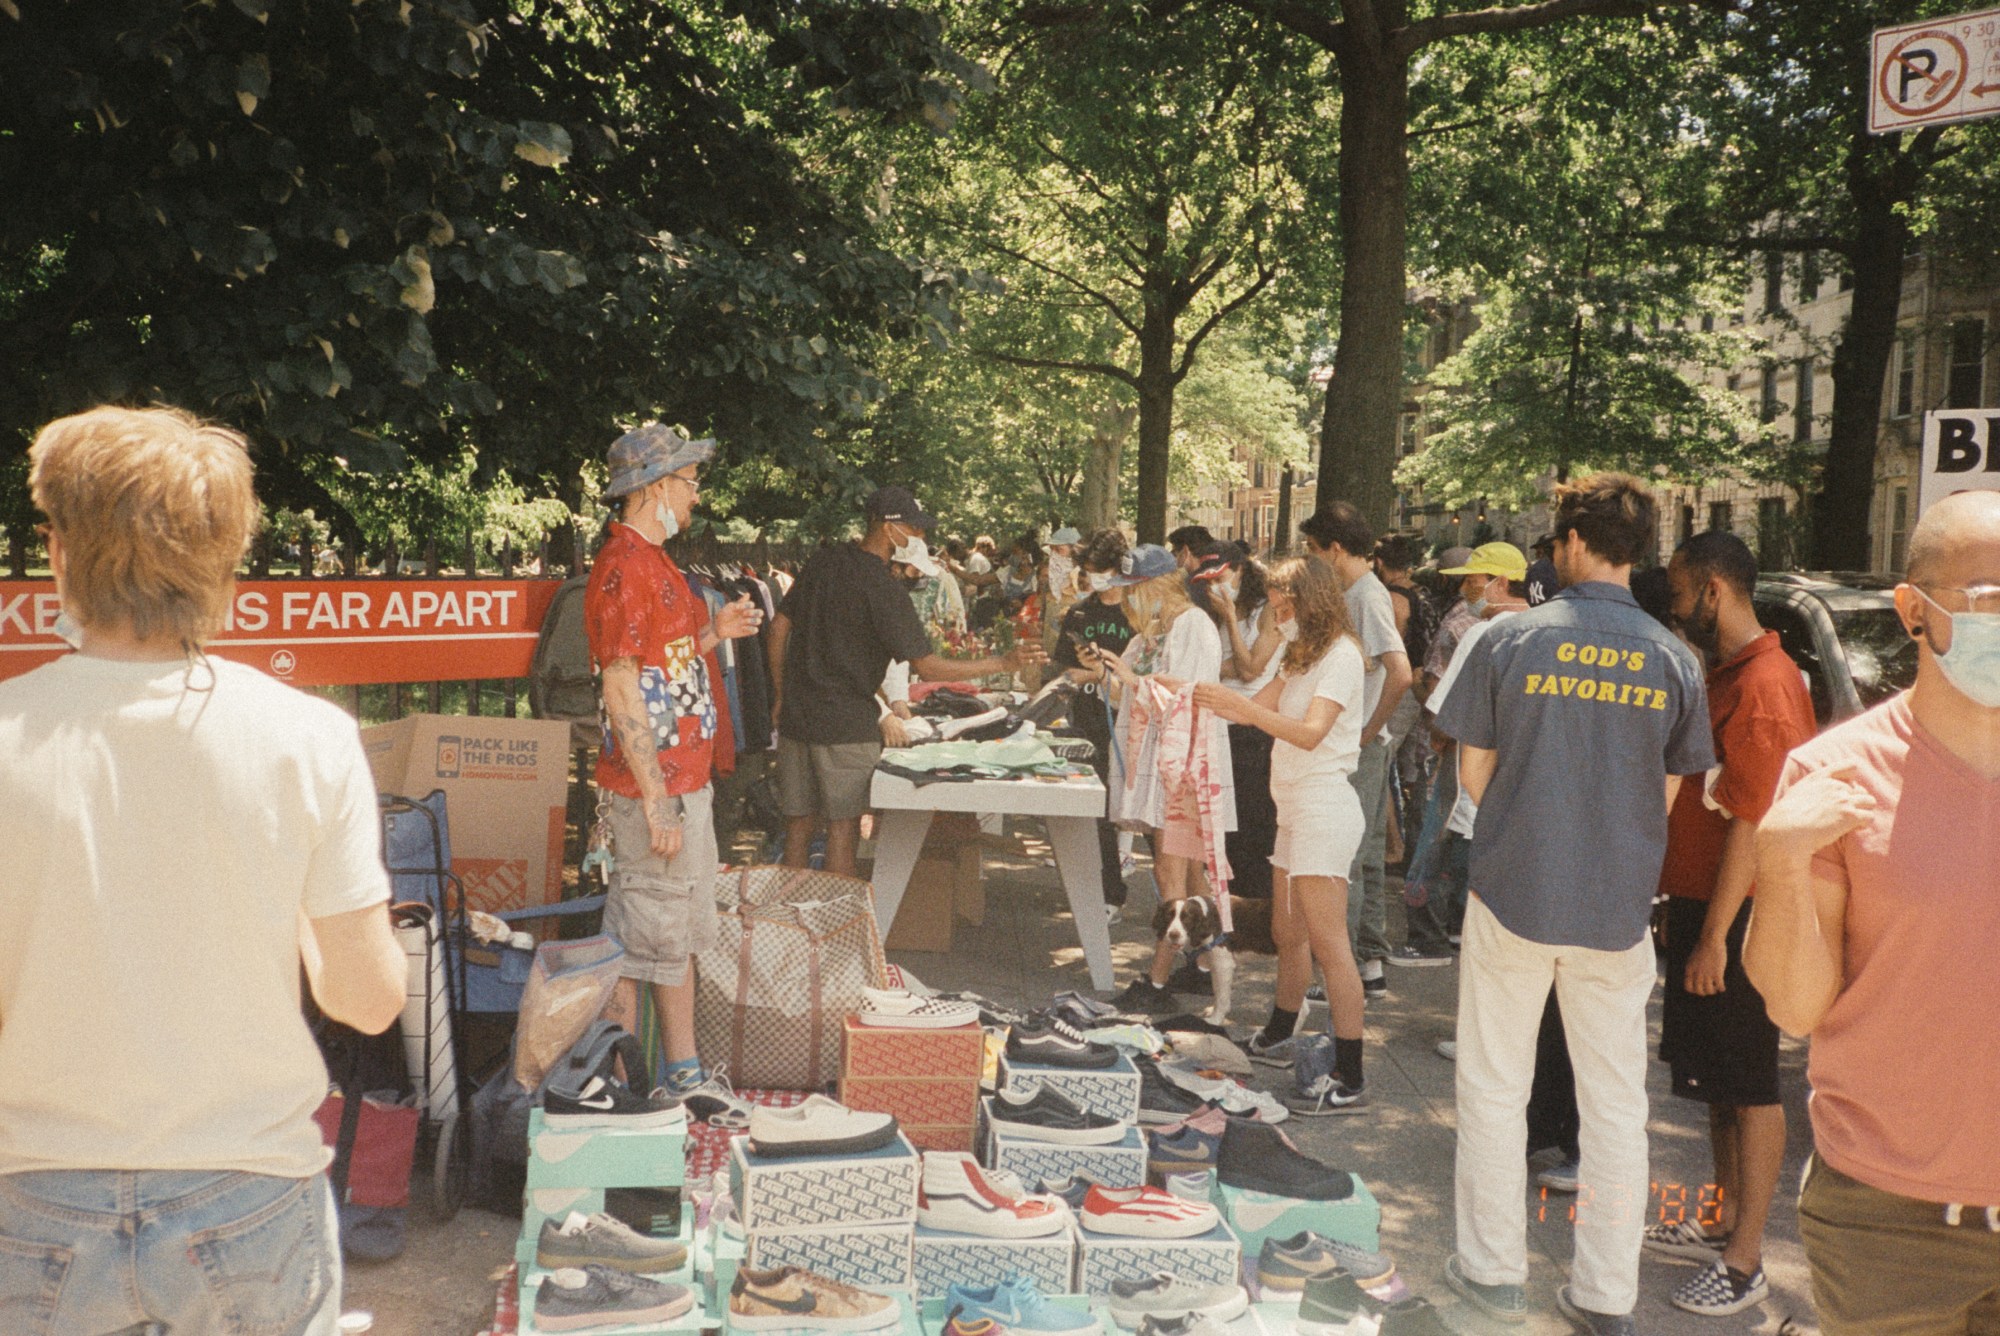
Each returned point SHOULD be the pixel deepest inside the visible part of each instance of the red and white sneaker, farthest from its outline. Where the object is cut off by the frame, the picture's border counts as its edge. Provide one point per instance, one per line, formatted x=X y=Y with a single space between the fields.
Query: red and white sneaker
x=957 y=1196
x=1146 y=1213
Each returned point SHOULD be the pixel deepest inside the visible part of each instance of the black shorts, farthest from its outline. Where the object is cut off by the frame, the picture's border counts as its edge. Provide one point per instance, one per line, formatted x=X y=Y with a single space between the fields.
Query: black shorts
x=1721 y=1049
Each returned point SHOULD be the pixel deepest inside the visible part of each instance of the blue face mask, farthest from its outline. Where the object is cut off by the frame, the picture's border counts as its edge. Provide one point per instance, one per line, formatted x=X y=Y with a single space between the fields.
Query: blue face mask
x=1972 y=664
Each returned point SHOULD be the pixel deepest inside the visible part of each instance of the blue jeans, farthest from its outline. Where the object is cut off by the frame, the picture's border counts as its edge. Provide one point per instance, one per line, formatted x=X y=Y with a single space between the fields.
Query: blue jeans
x=97 y=1252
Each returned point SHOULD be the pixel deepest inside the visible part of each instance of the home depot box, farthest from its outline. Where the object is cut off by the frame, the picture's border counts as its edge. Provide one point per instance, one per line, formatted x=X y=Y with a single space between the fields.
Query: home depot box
x=506 y=786
x=944 y=884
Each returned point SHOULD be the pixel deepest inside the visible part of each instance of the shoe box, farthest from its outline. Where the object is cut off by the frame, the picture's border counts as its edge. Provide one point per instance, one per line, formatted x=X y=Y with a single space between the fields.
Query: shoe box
x=1213 y=1258
x=906 y=1325
x=927 y=1078
x=941 y=1260
x=1112 y=1091
x=873 y=1257
x=1256 y=1216
x=640 y=1157
x=717 y=1254
x=877 y=1187
x=1115 y=1164
x=931 y=1310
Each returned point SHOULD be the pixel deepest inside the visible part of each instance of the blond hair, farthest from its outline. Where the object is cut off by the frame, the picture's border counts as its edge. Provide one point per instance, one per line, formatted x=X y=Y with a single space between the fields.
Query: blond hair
x=1152 y=606
x=1319 y=607
x=154 y=509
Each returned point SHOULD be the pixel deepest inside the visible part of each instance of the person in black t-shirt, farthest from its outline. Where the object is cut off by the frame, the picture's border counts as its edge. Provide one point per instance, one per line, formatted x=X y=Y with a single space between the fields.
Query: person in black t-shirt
x=1097 y=619
x=846 y=619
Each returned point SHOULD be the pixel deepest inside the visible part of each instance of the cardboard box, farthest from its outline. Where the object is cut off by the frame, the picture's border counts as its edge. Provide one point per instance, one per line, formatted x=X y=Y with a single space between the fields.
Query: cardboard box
x=1117 y=1164
x=940 y=1260
x=1256 y=1216
x=873 y=1257
x=1212 y=1259
x=604 y=1157
x=923 y=919
x=878 y=1187
x=929 y=1079
x=506 y=785
x=946 y=1136
x=1112 y=1091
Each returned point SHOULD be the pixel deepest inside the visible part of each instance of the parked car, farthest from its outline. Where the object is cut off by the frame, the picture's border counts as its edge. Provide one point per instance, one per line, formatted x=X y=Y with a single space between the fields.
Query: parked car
x=1841 y=628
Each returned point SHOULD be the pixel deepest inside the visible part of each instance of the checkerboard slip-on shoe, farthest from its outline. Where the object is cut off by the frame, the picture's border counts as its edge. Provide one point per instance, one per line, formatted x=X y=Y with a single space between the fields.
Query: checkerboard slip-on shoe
x=911 y=1011
x=610 y=1105
x=1286 y=1266
x=580 y=1240
x=1014 y=1307
x=1050 y=1115
x=956 y=1196
x=789 y=1299
x=1164 y=1295
x=1684 y=1241
x=1049 y=1041
x=1718 y=1289
x=579 y=1298
x=1145 y=1213
x=819 y=1126
x=1503 y=1303
x=1592 y=1322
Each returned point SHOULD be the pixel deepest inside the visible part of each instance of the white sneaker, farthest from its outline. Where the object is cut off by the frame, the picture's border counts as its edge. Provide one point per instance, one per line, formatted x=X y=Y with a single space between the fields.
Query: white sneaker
x=1233 y=1097
x=820 y=1126
x=1448 y=1049
x=907 y=1010
x=960 y=1198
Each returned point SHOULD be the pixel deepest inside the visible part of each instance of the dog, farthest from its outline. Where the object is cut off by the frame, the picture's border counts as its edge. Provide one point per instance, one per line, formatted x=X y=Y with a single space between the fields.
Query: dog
x=1192 y=924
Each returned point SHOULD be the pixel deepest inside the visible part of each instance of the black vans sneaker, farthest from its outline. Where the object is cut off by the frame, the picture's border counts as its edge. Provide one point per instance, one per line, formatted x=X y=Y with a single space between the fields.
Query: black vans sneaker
x=1160 y=1100
x=1050 y=1041
x=1050 y=1115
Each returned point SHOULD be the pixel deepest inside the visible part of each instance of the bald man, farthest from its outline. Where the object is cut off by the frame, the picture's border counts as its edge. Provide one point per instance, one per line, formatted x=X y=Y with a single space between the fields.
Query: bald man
x=1876 y=930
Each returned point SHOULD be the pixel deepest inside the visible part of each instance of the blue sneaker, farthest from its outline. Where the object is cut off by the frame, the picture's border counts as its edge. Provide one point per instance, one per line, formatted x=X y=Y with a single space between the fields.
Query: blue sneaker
x=1072 y=1189
x=1190 y=1148
x=1017 y=1307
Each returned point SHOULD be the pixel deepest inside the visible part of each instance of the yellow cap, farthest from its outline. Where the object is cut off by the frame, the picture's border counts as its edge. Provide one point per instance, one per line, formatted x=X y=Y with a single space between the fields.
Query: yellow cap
x=1493 y=559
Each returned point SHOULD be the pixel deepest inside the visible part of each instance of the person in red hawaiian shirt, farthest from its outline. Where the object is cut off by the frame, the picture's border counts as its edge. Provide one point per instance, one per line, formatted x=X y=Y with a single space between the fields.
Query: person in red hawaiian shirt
x=652 y=641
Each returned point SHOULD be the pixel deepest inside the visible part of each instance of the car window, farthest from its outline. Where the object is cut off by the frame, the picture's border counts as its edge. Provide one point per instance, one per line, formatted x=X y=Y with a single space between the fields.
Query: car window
x=1881 y=655
x=1795 y=635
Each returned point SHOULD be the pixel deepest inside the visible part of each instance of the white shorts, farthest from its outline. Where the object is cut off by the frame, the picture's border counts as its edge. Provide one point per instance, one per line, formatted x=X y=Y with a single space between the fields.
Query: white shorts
x=1318 y=832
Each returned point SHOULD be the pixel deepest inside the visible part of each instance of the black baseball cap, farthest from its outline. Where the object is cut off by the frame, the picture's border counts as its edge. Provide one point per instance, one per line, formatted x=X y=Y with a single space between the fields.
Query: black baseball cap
x=896 y=505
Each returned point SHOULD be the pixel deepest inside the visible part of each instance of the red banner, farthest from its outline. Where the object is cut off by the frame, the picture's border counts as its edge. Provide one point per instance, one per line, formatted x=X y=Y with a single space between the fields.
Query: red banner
x=315 y=633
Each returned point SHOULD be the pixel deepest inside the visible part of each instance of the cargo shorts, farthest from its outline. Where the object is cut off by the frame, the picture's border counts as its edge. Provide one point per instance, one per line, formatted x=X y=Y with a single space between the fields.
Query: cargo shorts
x=827 y=780
x=661 y=910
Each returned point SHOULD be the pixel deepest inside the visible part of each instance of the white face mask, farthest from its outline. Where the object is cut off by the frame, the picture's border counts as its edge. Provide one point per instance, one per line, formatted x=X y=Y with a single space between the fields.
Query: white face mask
x=1100 y=581
x=1288 y=629
x=68 y=630
x=1972 y=664
x=667 y=519
x=914 y=552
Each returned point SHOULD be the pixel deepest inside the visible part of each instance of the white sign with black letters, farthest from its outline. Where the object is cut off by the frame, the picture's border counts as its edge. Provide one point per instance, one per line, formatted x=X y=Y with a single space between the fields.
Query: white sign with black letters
x=1961 y=454
x=1934 y=72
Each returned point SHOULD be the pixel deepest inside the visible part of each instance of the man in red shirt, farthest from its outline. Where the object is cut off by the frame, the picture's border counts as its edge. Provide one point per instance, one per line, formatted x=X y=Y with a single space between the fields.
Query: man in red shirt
x=653 y=644
x=1878 y=907
x=1715 y=1035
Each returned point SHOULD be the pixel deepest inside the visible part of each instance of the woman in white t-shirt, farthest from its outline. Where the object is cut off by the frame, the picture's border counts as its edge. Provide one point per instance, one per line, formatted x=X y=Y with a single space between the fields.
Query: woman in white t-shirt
x=1312 y=710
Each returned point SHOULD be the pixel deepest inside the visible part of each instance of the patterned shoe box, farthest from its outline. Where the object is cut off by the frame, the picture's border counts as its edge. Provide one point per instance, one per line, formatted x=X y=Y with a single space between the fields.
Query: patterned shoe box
x=604 y=1157
x=1256 y=1216
x=1112 y=1091
x=877 y=1187
x=943 y=1136
x=1211 y=1258
x=954 y=1054
x=1117 y=1164
x=874 y=1257
x=906 y=1325
x=942 y=1260
x=916 y=1102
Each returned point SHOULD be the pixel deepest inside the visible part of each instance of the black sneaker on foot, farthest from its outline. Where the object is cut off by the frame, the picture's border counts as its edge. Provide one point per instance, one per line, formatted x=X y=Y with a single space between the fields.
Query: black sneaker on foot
x=1258 y=1157
x=1143 y=997
x=1190 y=978
x=1597 y=1324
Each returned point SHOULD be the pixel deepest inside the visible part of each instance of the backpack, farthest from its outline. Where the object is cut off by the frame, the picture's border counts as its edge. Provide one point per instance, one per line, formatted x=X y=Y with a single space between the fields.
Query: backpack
x=561 y=684
x=500 y=1110
x=1421 y=627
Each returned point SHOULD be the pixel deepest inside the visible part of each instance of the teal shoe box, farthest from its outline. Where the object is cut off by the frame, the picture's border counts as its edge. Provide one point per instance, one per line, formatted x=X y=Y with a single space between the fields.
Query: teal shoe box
x=1256 y=1216
x=934 y=1316
x=605 y=1157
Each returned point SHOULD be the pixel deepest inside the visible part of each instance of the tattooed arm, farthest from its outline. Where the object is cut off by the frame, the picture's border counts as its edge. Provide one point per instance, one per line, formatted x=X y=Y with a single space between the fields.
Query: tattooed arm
x=625 y=703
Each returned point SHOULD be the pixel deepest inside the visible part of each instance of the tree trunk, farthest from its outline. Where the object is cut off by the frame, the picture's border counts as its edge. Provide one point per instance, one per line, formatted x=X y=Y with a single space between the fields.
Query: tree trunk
x=1365 y=397
x=1840 y=540
x=1281 y=541
x=1103 y=466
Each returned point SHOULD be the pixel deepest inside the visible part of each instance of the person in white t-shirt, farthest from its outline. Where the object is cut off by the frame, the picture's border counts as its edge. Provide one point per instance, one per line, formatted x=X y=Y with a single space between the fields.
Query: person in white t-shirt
x=182 y=834
x=1313 y=711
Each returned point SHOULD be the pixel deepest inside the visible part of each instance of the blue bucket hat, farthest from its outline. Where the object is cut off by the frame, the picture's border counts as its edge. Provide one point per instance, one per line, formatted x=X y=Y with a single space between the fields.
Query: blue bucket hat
x=647 y=454
x=1148 y=561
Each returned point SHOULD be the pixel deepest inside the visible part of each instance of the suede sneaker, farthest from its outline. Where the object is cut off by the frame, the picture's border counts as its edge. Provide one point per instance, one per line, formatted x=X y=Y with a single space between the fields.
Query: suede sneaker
x=1050 y=1115
x=1181 y=1152
x=1143 y=997
x=1164 y=1295
x=602 y=1240
x=578 y=1298
x=1160 y=1100
x=958 y=1197
x=1017 y=1307
x=1288 y=1265
x=1260 y=1158
x=787 y=1298
x=1050 y=1041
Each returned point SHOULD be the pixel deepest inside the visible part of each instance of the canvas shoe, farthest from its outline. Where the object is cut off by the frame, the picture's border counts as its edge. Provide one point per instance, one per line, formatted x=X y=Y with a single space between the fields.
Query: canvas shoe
x=1326 y=1095
x=1504 y=1303
x=1050 y=1115
x=1329 y=1305
x=1193 y=1185
x=1565 y=1175
x=1208 y=1119
x=1259 y=1158
x=716 y=1102
x=1411 y=957
x=1160 y=1100
x=1016 y=1307
x=1595 y=1323
x=1272 y=1053
x=1164 y=1295
x=1286 y=1265
x=956 y=1196
x=912 y=1011
x=608 y=1104
x=578 y=1298
x=1684 y=1241
x=1050 y=1041
x=1718 y=1289
x=1070 y=1191
x=1232 y=1097
x=786 y=1298
x=819 y=1126
x=1190 y=1148
x=1145 y=1213
x=603 y=1240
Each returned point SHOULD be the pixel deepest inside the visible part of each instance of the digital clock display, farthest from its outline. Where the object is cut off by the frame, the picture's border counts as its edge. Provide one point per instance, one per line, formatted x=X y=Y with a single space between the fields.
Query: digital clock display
x=1667 y=1203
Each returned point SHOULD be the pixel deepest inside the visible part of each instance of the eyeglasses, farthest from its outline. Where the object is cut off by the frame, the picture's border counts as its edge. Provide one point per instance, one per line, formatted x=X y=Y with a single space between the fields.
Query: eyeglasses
x=691 y=482
x=1978 y=598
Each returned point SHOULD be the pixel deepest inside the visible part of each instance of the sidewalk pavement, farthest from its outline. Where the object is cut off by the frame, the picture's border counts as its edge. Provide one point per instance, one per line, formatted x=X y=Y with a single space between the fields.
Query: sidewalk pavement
x=1403 y=1148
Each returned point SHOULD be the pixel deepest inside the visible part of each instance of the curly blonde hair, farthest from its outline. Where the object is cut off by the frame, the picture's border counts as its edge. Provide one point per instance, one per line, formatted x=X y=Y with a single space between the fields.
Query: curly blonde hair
x=154 y=510
x=1153 y=605
x=1319 y=606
